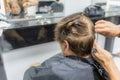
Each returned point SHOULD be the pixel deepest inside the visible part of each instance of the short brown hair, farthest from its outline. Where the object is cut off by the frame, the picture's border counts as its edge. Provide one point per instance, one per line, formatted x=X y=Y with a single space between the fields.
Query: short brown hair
x=78 y=31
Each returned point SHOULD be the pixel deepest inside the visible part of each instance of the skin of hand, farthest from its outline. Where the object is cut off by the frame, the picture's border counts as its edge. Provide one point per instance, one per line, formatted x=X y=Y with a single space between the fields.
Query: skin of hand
x=102 y=56
x=30 y=3
x=26 y=4
x=107 y=28
x=106 y=60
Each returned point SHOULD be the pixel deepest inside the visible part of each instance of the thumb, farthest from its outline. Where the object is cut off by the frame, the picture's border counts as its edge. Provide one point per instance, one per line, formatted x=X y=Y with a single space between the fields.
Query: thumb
x=100 y=22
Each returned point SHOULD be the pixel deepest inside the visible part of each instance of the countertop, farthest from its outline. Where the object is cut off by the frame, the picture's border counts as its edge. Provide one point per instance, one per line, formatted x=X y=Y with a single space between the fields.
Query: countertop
x=36 y=20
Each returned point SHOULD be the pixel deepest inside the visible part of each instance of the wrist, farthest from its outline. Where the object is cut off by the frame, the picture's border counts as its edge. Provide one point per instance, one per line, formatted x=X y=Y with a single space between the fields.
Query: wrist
x=113 y=71
x=108 y=64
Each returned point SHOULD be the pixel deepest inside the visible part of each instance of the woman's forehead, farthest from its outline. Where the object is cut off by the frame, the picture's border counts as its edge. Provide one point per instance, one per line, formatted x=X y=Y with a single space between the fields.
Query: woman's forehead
x=15 y=4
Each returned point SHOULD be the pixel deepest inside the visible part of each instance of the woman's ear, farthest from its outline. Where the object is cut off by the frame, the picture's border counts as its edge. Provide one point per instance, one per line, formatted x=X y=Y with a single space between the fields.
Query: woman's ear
x=65 y=46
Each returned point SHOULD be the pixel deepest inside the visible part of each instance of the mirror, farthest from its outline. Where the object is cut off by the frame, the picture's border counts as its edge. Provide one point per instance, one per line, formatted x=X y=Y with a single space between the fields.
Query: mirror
x=30 y=25
x=50 y=6
x=23 y=8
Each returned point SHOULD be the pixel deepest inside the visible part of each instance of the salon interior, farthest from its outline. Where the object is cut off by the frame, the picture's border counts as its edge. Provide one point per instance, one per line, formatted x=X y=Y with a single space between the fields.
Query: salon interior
x=27 y=31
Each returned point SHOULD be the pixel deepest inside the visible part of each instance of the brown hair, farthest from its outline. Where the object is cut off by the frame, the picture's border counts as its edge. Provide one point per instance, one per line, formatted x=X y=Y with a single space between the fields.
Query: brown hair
x=78 y=31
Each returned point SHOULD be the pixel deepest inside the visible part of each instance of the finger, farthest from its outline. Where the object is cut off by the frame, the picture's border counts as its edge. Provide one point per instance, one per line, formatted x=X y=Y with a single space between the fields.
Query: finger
x=95 y=56
x=100 y=21
x=98 y=47
x=100 y=26
x=103 y=34
x=101 y=30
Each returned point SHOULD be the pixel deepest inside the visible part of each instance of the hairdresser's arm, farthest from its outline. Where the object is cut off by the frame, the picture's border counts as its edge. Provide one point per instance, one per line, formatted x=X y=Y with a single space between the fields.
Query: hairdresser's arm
x=107 y=28
x=30 y=3
x=106 y=60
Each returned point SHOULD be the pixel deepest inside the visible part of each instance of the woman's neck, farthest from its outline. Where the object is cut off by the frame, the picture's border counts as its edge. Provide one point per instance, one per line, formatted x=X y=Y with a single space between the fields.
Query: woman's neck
x=73 y=54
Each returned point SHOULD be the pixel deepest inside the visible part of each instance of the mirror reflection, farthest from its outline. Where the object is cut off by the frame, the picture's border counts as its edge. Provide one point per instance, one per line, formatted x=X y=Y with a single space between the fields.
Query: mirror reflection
x=50 y=7
x=28 y=36
x=32 y=22
x=32 y=7
x=18 y=7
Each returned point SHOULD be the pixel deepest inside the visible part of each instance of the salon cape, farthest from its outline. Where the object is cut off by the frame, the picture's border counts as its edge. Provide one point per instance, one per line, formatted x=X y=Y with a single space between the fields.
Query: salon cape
x=62 y=68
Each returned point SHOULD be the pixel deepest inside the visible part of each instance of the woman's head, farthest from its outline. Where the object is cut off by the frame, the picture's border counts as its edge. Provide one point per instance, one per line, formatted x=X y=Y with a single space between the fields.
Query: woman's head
x=16 y=7
x=78 y=31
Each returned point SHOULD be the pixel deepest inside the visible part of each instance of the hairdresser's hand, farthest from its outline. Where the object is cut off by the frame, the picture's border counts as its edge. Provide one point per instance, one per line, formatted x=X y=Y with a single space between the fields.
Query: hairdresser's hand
x=107 y=28
x=106 y=60
x=102 y=56
x=27 y=4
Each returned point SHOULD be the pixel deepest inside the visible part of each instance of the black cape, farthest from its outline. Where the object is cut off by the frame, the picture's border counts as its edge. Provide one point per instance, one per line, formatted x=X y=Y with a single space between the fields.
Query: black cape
x=64 y=68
